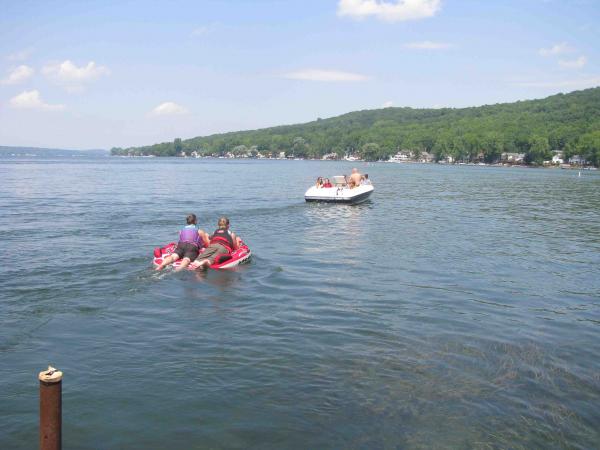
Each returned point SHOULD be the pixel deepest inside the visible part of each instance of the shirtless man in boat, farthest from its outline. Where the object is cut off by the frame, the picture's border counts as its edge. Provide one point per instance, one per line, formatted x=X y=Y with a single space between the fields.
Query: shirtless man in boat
x=355 y=178
x=222 y=242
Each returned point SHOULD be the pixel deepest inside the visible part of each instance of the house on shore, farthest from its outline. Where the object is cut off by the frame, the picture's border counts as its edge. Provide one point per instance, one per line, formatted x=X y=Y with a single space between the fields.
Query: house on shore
x=425 y=157
x=558 y=157
x=577 y=160
x=512 y=158
x=401 y=156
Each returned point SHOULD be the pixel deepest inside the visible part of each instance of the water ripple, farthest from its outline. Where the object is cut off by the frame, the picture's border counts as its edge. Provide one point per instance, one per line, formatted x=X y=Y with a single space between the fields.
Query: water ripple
x=457 y=309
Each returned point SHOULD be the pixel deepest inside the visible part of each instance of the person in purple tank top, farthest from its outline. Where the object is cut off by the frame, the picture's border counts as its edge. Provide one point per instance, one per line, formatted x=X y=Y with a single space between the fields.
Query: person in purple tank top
x=191 y=240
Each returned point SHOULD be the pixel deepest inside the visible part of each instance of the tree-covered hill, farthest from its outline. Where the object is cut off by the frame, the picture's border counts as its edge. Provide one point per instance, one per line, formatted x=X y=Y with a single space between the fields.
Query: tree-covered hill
x=566 y=122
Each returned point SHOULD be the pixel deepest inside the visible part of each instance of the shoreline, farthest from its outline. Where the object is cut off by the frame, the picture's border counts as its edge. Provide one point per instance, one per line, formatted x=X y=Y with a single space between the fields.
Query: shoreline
x=441 y=163
x=523 y=166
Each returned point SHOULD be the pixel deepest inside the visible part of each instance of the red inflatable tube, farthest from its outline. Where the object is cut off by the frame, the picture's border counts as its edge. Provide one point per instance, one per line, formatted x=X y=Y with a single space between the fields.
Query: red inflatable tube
x=240 y=256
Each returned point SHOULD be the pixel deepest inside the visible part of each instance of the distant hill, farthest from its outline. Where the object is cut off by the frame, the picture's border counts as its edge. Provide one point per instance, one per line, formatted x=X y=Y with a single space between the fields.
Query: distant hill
x=49 y=152
x=565 y=122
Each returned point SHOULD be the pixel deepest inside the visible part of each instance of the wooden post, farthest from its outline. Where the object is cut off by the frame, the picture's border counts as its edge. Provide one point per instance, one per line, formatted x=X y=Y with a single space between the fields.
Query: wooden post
x=50 y=409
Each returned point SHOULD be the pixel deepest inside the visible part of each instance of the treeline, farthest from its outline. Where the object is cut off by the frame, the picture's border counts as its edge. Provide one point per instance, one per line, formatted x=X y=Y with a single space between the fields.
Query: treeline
x=565 y=122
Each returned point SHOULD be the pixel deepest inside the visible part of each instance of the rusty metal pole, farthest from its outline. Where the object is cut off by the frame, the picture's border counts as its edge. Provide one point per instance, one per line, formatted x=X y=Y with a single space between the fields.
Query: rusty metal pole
x=50 y=409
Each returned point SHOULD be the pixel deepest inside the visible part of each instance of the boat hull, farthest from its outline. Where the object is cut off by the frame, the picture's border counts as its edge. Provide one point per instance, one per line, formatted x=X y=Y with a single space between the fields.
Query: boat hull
x=339 y=195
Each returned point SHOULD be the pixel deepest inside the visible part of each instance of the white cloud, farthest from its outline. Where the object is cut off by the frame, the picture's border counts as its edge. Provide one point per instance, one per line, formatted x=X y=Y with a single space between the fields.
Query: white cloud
x=325 y=75
x=388 y=104
x=573 y=63
x=168 y=109
x=579 y=83
x=73 y=77
x=18 y=75
x=33 y=100
x=556 y=49
x=389 y=11
x=428 y=45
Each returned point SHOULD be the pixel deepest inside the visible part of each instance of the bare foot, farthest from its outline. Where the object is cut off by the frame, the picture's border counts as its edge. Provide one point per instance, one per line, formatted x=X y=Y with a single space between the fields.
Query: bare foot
x=198 y=265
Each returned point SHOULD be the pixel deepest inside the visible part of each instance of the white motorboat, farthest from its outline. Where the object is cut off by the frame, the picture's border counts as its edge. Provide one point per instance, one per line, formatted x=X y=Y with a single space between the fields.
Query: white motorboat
x=339 y=193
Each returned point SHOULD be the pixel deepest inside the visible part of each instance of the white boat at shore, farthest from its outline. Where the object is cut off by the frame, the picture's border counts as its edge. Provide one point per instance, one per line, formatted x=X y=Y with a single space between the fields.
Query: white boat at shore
x=339 y=193
x=400 y=157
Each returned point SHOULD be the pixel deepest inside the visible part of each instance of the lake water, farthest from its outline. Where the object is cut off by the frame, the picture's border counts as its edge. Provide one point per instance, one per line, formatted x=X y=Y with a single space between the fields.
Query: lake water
x=458 y=308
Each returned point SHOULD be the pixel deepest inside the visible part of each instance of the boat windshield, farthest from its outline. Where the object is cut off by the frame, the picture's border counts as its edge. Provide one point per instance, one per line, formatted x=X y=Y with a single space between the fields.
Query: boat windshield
x=339 y=180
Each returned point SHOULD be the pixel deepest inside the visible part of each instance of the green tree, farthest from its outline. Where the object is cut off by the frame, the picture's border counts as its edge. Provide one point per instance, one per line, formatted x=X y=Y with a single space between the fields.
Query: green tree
x=493 y=146
x=539 y=150
x=589 y=147
x=177 y=145
x=239 y=150
x=370 y=151
x=299 y=147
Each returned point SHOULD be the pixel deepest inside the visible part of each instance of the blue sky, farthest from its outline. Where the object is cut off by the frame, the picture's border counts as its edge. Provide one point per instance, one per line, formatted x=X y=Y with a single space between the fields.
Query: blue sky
x=137 y=72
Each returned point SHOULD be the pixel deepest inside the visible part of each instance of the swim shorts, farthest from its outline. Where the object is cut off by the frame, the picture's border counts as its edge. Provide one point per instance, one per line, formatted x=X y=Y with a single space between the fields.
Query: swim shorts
x=212 y=251
x=187 y=250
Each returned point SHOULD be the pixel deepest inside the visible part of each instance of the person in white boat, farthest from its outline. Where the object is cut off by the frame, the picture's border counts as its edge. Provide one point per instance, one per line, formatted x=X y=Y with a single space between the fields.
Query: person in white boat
x=319 y=183
x=365 y=180
x=354 y=178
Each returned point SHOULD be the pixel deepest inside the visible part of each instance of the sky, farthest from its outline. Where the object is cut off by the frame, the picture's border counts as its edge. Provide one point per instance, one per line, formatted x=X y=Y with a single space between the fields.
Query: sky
x=125 y=73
